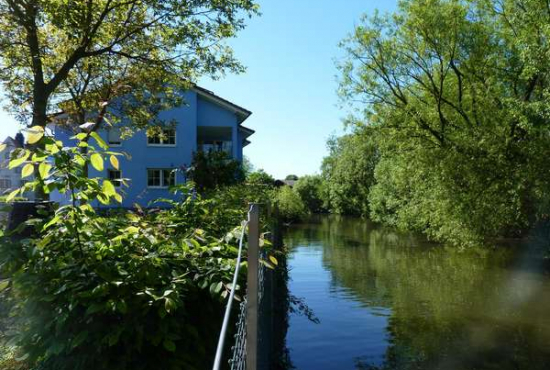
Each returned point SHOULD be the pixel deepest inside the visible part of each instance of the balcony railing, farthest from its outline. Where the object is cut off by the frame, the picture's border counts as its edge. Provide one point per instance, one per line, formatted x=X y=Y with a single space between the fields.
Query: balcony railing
x=218 y=146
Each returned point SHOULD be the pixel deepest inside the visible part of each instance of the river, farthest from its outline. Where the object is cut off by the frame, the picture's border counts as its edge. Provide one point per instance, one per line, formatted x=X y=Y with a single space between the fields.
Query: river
x=391 y=300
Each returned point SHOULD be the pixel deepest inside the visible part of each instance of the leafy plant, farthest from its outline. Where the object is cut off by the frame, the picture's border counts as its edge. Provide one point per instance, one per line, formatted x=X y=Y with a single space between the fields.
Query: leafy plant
x=289 y=204
x=213 y=169
x=138 y=290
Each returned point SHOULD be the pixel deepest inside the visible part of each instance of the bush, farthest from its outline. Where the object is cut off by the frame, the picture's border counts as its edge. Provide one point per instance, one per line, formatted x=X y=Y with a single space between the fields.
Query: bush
x=310 y=190
x=260 y=177
x=127 y=290
x=290 y=205
x=211 y=170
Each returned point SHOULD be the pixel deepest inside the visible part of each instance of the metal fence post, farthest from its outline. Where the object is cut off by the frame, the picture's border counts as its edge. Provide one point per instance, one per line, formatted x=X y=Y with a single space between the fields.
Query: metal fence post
x=252 y=288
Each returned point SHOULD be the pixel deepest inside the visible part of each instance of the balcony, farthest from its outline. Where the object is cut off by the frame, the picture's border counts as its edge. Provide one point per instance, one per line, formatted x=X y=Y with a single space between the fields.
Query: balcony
x=215 y=139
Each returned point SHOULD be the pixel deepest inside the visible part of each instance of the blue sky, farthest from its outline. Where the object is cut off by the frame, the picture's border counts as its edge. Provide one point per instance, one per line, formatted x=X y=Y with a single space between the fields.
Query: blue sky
x=290 y=83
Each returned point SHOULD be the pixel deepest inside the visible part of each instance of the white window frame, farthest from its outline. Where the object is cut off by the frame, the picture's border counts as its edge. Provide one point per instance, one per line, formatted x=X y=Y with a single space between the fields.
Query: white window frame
x=162 y=144
x=113 y=144
x=161 y=177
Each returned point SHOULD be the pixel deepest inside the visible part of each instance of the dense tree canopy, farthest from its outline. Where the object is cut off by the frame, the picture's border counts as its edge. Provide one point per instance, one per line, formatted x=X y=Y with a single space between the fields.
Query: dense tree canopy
x=457 y=92
x=54 y=50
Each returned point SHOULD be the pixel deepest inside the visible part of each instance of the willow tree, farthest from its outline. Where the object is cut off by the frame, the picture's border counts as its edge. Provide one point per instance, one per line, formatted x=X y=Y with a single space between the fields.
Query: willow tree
x=52 y=50
x=458 y=91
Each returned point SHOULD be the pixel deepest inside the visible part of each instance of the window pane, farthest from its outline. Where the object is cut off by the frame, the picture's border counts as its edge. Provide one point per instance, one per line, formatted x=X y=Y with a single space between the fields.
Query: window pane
x=5 y=183
x=115 y=176
x=114 y=136
x=153 y=177
x=169 y=178
x=153 y=139
x=170 y=137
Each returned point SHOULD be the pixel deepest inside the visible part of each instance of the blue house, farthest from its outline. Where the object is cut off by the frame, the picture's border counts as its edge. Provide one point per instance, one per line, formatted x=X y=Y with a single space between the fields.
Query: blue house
x=206 y=122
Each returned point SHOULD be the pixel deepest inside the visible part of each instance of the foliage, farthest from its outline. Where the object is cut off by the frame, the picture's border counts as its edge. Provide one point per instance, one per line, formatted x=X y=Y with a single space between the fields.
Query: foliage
x=456 y=93
x=260 y=177
x=93 y=51
x=311 y=191
x=291 y=177
x=211 y=170
x=348 y=172
x=290 y=205
x=136 y=290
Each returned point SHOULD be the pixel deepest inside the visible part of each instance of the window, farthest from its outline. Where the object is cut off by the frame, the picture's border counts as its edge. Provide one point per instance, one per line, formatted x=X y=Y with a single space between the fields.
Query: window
x=113 y=136
x=115 y=176
x=5 y=183
x=168 y=138
x=161 y=178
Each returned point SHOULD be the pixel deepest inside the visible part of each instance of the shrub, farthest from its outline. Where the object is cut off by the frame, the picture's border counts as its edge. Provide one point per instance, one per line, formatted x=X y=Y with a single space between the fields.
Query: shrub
x=128 y=290
x=210 y=170
x=310 y=190
x=290 y=205
x=260 y=177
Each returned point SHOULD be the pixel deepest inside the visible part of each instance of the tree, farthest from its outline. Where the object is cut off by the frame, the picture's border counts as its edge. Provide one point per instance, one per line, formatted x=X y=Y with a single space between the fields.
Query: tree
x=348 y=172
x=260 y=177
x=457 y=93
x=211 y=170
x=289 y=204
x=310 y=188
x=291 y=177
x=48 y=47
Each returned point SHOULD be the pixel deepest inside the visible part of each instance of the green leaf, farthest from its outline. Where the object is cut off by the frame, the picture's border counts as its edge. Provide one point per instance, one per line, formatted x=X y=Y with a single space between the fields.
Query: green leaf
x=3 y=147
x=169 y=304
x=169 y=345
x=97 y=161
x=215 y=288
x=4 y=284
x=44 y=169
x=35 y=134
x=27 y=170
x=274 y=260
x=117 y=197
x=108 y=188
x=12 y=195
x=114 y=162
x=18 y=161
x=80 y=338
x=99 y=140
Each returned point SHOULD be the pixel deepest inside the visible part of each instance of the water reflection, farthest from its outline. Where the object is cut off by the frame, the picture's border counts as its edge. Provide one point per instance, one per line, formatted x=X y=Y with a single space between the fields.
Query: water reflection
x=389 y=300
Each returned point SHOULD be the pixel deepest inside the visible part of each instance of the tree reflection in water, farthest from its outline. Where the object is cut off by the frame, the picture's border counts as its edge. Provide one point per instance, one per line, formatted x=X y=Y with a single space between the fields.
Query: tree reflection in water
x=477 y=308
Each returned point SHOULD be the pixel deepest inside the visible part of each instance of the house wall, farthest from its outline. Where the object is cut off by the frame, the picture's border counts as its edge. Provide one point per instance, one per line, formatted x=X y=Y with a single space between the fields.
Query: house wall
x=211 y=114
x=196 y=112
x=14 y=175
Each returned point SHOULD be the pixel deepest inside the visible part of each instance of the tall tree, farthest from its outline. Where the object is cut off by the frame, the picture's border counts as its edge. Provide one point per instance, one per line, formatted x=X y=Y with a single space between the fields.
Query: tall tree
x=49 y=46
x=457 y=90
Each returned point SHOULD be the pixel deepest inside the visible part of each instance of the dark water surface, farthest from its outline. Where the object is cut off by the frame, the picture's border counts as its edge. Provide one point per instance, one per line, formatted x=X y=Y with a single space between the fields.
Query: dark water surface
x=388 y=300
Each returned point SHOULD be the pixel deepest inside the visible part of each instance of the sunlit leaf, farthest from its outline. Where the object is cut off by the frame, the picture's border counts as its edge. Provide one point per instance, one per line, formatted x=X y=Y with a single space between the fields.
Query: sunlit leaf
x=35 y=134
x=27 y=170
x=108 y=188
x=44 y=169
x=114 y=162
x=99 y=140
x=97 y=161
x=2 y=147
x=19 y=160
x=274 y=260
x=12 y=195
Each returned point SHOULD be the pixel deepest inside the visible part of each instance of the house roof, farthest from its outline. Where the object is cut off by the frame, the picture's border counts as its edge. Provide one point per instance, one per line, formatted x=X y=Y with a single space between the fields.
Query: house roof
x=241 y=112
